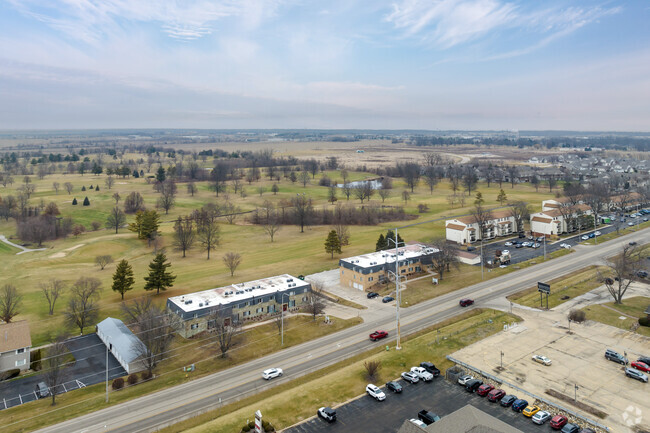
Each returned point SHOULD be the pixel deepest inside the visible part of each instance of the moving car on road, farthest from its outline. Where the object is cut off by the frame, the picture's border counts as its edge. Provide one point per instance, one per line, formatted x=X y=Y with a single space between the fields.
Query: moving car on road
x=466 y=302
x=271 y=373
x=542 y=359
x=375 y=392
x=378 y=335
x=327 y=413
x=541 y=417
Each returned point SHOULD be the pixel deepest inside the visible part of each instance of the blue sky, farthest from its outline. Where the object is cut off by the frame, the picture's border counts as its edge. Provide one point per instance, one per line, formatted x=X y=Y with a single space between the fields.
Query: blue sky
x=436 y=64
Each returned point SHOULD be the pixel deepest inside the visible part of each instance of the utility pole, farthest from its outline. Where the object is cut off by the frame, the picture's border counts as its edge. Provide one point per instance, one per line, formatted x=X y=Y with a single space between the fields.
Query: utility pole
x=481 y=255
x=397 y=294
x=575 y=395
x=502 y=359
x=544 y=246
x=106 y=343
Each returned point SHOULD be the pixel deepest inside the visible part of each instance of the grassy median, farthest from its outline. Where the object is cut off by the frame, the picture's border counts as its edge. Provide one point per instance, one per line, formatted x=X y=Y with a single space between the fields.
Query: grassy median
x=625 y=316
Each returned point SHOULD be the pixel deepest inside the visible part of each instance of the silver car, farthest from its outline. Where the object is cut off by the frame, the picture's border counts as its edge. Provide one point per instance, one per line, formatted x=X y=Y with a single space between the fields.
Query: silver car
x=541 y=417
x=464 y=379
x=410 y=377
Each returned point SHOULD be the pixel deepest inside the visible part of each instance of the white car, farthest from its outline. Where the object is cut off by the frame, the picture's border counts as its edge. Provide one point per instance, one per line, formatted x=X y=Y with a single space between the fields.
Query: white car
x=375 y=392
x=585 y=238
x=567 y=246
x=508 y=244
x=464 y=379
x=630 y=224
x=541 y=417
x=597 y=233
x=271 y=373
x=505 y=251
x=418 y=423
x=542 y=359
x=422 y=373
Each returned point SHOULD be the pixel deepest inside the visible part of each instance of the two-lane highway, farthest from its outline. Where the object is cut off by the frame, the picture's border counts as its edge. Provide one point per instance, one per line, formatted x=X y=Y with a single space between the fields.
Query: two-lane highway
x=173 y=404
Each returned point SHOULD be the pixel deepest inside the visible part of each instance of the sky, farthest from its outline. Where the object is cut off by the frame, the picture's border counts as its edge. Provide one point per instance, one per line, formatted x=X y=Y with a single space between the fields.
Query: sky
x=337 y=64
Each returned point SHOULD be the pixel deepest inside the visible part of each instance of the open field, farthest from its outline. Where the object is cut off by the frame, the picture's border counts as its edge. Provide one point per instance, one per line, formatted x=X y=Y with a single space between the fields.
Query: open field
x=624 y=316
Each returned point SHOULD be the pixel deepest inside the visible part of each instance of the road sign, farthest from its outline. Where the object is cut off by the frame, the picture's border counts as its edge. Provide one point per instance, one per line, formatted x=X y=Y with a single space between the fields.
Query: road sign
x=544 y=288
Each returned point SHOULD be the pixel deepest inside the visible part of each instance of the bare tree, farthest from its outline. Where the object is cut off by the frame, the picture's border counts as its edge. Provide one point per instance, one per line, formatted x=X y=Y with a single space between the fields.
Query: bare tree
x=520 y=211
x=103 y=260
x=623 y=269
x=116 y=219
x=109 y=182
x=226 y=330
x=315 y=305
x=10 y=300
x=384 y=194
x=56 y=186
x=191 y=189
x=483 y=218
x=343 y=233
x=347 y=190
x=68 y=187
x=232 y=261
x=304 y=178
x=551 y=183
x=372 y=369
x=82 y=307
x=53 y=366
x=411 y=172
x=272 y=225
x=52 y=290
x=596 y=196
x=230 y=212
x=302 y=209
x=445 y=258
x=207 y=227
x=184 y=234
x=155 y=327
x=431 y=178
x=470 y=179
x=167 y=197
x=116 y=196
x=513 y=174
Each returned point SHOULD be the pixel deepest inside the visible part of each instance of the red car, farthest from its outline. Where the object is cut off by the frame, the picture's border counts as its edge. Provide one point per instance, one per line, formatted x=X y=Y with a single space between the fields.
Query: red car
x=378 y=335
x=496 y=395
x=641 y=366
x=484 y=389
x=466 y=302
x=558 y=422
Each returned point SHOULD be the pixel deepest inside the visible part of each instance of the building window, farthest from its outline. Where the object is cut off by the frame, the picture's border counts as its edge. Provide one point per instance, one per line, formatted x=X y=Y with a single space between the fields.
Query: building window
x=292 y=304
x=21 y=362
x=211 y=324
x=194 y=326
x=259 y=310
x=370 y=278
x=246 y=313
x=259 y=301
x=21 y=350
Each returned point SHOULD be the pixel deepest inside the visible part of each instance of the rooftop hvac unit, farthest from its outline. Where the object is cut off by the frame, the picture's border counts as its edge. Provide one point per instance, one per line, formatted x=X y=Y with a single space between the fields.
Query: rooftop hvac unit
x=239 y=292
x=200 y=304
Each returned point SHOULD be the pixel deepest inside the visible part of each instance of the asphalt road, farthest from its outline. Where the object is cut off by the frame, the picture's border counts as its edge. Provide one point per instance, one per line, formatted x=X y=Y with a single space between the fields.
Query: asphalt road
x=440 y=397
x=173 y=404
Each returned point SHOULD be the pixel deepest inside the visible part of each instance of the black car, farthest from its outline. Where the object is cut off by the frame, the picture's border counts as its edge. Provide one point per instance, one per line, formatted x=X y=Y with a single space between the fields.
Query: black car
x=473 y=385
x=470 y=248
x=428 y=366
x=570 y=428
x=633 y=243
x=521 y=235
x=387 y=299
x=642 y=274
x=372 y=295
x=644 y=359
x=394 y=386
x=508 y=400
x=428 y=417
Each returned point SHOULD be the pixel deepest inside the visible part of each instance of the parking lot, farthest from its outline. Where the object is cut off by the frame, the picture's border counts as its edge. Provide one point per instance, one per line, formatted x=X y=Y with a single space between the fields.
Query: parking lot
x=577 y=360
x=441 y=397
x=89 y=368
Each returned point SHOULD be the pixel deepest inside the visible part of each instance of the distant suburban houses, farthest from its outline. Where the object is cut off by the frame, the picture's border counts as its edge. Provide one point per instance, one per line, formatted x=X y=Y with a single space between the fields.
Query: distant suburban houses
x=15 y=343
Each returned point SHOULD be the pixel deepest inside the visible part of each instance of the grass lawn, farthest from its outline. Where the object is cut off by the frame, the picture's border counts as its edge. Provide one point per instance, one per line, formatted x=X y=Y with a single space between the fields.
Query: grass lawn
x=576 y=284
x=634 y=307
x=203 y=352
x=338 y=383
x=8 y=249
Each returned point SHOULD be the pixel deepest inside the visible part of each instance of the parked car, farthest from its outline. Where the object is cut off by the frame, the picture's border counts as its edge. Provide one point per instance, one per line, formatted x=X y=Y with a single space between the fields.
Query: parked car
x=472 y=385
x=394 y=386
x=591 y=235
x=327 y=413
x=428 y=366
x=519 y=405
x=630 y=224
x=542 y=359
x=597 y=233
x=636 y=374
x=387 y=299
x=378 y=335
x=422 y=374
x=410 y=377
x=567 y=246
x=428 y=417
x=505 y=251
x=584 y=237
x=374 y=392
x=587 y=430
x=642 y=274
x=464 y=379
x=371 y=295
x=471 y=248
x=558 y=421
x=632 y=243
x=42 y=390
x=271 y=373
x=466 y=302
x=541 y=417
x=521 y=235
x=644 y=359
x=519 y=246
x=508 y=244
x=537 y=245
x=496 y=395
x=615 y=356
x=570 y=428
x=484 y=389
x=530 y=411
x=641 y=366
x=508 y=400
x=418 y=423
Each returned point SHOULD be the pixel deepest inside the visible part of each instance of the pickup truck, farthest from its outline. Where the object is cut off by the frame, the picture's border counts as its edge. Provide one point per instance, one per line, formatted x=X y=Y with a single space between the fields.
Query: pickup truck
x=428 y=417
x=378 y=335
x=422 y=373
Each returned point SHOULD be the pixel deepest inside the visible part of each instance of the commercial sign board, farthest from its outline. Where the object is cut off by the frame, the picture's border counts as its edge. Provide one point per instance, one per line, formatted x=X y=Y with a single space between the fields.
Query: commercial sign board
x=544 y=288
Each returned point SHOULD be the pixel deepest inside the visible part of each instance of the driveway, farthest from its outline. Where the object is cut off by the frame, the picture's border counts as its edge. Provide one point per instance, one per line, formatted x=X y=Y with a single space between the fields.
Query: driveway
x=89 y=368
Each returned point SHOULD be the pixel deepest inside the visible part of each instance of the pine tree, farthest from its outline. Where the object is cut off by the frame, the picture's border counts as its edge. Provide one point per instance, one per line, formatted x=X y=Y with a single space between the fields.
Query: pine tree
x=381 y=243
x=86 y=202
x=502 y=197
x=479 y=198
x=332 y=243
x=160 y=175
x=123 y=278
x=146 y=224
x=92 y=187
x=390 y=240
x=97 y=188
x=74 y=201
x=159 y=278
x=83 y=188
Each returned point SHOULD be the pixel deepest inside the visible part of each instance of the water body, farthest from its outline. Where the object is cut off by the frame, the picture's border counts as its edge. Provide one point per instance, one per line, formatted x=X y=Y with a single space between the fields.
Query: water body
x=374 y=184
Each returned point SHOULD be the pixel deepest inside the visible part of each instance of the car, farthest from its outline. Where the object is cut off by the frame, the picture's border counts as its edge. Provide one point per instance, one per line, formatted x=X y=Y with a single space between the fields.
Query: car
x=615 y=356
x=630 y=224
x=271 y=373
x=394 y=386
x=375 y=392
x=470 y=248
x=418 y=423
x=473 y=385
x=570 y=428
x=327 y=413
x=525 y=244
x=587 y=430
x=645 y=219
x=597 y=233
x=567 y=246
x=519 y=405
x=496 y=395
x=484 y=389
x=410 y=377
x=541 y=417
x=584 y=237
x=464 y=379
x=466 y=302
x=558 y=421
x=521 y=235
x=508 y=400
x=591 y=235
x=642 y=274
x=636 y=374
x=530 y=411
x=641 y=366
x=508 y=244
x=519 y=246
x=371 y=295
x=505 y=252
x=428 y=366
x=378 y=335
x=42 y=390
x=632 y=243
x=644 y=359
x=537 y=245
x=387 y=299
x=542 y=359
x=531 y=238
x=562 y=245
x=422 y=373
x=428 y=417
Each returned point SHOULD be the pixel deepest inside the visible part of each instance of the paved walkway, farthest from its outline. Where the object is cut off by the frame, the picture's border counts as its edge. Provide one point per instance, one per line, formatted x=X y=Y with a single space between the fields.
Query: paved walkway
x=20 y=247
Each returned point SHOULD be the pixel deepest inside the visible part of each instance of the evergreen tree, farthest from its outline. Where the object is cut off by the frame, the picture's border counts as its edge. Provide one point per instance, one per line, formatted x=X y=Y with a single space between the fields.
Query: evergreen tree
x=159 y=278
x=86 y=202
x=502 y=197
x=136 y=174
x=390 y=240
x=146 y=224
x=160 y=175
x=74 y=201
x=83 y=188
x=97 y=188
x=91 y=187
x=332 y=243
x=479 y=198
x=381 y=243
x=123 y=278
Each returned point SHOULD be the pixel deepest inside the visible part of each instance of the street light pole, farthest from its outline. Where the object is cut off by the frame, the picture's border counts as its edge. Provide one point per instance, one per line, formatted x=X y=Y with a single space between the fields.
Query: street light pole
x=397 y=301
x=575 y=395
x=502 y=359
x=282 y=316
x=481 y=256
x=544 y=246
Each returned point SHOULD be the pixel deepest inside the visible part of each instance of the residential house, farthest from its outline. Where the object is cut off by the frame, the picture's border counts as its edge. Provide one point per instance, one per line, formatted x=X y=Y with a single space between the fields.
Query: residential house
x=15 y=342
x=554 y=220
x=465 y=230
x=122 y=343
x=467 y=419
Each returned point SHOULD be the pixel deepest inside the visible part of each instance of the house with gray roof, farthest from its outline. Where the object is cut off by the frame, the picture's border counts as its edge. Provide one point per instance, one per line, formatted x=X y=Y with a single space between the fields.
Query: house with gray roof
x=122 y=343
x=15 y=342
x=467 y=419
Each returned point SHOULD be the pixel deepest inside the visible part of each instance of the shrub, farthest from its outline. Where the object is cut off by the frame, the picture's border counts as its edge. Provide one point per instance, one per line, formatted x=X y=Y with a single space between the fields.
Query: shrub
x=118 y=383
x=577 y=316
x=133 y=379
x=146 y=375
x=644 y=321
x=251 y=424
x=74 y=201
x=10 y=374
x=96 y=225
x=35 y=356
x=246 y=428
x=372 y=369
x=86 y=202
x=325 y=181
x=422 y=208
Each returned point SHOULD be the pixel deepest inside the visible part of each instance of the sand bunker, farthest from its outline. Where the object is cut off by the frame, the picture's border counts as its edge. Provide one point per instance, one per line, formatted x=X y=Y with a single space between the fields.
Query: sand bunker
x=63 y=253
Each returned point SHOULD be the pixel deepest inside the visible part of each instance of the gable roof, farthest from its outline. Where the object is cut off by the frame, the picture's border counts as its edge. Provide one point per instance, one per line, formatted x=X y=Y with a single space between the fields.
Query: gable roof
x=14 y=335
x=467 y=419
x=120 y=337
x=469 y=219
x=455 y=226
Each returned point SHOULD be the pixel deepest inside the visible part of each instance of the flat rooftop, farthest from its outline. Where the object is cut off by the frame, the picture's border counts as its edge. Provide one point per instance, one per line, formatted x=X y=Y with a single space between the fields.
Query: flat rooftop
x=388 y=256
x=237 y=292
